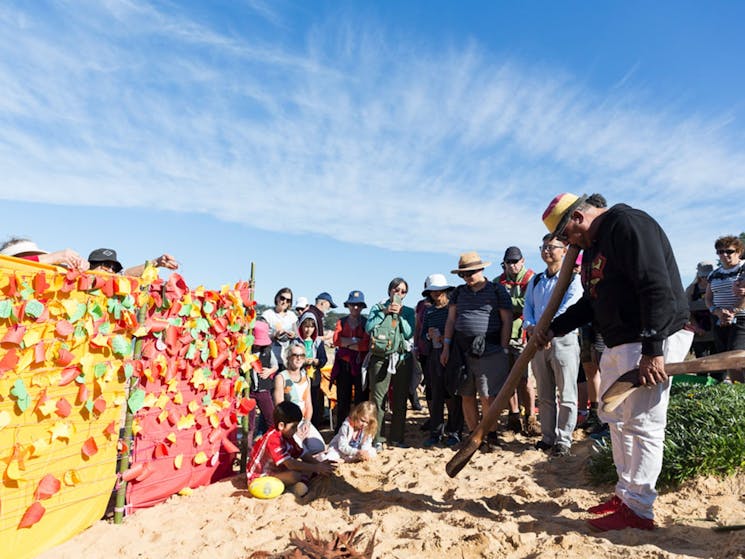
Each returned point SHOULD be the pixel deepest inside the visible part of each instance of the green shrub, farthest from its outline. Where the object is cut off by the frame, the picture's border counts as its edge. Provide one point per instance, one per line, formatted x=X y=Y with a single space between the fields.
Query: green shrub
x=705 y=435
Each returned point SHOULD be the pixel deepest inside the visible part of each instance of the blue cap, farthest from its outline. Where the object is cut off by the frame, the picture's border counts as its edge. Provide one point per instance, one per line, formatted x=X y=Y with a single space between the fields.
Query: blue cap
x=326 y=297
x=356 y=297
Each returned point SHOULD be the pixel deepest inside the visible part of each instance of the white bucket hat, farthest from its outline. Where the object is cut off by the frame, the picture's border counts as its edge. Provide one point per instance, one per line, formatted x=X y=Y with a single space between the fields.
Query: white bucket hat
x=22 y=247
x=436 y=282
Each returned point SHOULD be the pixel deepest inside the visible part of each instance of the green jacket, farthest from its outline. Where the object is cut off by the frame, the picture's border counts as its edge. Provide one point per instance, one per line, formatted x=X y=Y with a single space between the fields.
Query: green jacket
x=407 y=319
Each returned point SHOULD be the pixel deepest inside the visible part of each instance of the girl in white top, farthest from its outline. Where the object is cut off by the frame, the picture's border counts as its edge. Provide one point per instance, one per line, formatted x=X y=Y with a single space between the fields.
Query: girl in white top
x=293 y=385
x=354 y=441
x=282 y=322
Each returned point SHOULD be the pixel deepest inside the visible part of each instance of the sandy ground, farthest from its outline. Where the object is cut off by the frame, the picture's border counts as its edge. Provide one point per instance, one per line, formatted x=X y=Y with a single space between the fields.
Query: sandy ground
x=514 y=502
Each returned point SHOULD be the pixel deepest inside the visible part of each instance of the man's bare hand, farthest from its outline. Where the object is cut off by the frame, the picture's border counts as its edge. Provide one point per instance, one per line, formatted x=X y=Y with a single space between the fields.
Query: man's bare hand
x=542 y=339
x=652 y=370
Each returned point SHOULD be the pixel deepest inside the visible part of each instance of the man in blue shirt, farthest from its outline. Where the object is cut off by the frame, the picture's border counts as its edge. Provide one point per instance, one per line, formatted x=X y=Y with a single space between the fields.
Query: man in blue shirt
x=555 y=368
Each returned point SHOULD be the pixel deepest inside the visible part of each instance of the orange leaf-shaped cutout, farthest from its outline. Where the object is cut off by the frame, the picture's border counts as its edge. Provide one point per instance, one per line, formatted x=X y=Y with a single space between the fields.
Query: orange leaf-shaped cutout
x=68 y=375
x=63 y=407
x=14 y=335
x=9 y=361
x=40 y=354
x=40 y=282
x=48 y=486
x=99 y=406
x=71 y=478
x=32 y=515
x=247 y=404
x=90 y=447
x=64 y=357
x=110 y=429
x=63 y=328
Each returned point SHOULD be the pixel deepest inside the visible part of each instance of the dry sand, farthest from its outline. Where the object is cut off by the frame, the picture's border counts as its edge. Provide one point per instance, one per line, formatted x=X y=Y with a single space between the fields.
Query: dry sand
x=514 y=502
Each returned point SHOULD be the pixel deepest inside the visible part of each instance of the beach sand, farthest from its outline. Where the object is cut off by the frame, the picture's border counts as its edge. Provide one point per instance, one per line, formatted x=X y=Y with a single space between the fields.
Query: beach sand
x=514 y=502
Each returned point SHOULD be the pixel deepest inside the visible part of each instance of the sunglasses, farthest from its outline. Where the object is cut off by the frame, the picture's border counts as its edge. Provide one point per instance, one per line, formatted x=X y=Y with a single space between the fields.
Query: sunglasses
x=727 y=251
x=400 y=290
x=283 y=299
x=550 y=247
x=512 y=261
x=297 y=355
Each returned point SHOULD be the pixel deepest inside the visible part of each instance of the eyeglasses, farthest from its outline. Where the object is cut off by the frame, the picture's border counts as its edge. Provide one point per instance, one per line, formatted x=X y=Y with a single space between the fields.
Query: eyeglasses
x=727 y=251
x=512 y=261
x=550 y=247
x=469 y=273
x=283 y=299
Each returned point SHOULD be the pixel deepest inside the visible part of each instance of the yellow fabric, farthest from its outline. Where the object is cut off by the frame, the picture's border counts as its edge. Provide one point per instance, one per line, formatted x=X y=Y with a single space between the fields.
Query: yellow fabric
x=40 y=441
x=556 y=209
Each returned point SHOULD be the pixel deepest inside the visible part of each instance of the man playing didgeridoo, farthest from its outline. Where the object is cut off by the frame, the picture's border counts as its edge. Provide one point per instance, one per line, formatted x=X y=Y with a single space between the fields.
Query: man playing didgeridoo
x=634 y=297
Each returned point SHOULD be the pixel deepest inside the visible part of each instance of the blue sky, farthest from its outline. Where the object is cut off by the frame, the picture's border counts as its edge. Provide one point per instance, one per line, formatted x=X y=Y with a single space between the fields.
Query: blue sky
x=340 y=144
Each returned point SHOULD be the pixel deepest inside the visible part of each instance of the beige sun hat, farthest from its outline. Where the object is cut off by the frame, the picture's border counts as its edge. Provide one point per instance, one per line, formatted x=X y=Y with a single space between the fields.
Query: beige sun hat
x=470 y=261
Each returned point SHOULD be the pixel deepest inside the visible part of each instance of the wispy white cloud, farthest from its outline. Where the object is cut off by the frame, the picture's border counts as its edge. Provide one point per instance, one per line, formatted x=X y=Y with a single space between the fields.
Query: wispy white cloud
x=402 y=146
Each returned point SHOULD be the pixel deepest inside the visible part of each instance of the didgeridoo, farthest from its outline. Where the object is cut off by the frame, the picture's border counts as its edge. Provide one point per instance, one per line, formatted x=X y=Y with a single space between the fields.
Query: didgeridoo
x=491 y=415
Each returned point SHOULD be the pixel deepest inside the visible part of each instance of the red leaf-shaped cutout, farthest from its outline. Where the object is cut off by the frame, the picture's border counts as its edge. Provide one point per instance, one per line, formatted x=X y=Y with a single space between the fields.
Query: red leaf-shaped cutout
x=68 y=375
x=229 y=447
x=63 y=407
x=172 y=338
x=32 y=515
x=64 y=328
x=247 y=405
x=99 y=406
x=85 y=282
x=12 y=285
x=133 y=472
x=90 y=447
x=40 y=353
x=82 y=394
x=109 y=288
x=64 y=357
x=160 y=451
x=48 y=486
x=14 y=335
x=40 y=282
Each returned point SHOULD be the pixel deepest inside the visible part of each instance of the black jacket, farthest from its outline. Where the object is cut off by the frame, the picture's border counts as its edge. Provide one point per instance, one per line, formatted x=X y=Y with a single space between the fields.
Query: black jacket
x=633 y=291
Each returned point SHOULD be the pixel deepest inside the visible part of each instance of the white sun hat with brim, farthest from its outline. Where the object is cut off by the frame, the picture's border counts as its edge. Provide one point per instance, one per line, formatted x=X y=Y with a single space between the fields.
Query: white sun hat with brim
x=22 y=248
x=436 y=282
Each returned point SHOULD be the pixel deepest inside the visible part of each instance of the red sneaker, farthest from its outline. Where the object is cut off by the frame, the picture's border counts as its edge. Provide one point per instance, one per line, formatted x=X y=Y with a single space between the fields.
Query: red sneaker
x=623 y=518
x=611 y=505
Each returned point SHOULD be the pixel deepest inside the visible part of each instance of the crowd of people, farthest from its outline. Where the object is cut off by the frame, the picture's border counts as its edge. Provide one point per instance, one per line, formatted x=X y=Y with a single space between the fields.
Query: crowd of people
x=625 y=307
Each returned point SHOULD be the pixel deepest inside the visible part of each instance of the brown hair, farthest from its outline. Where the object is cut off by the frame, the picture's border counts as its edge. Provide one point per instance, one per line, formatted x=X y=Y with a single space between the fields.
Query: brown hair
x=365 y=410
x=729 y=241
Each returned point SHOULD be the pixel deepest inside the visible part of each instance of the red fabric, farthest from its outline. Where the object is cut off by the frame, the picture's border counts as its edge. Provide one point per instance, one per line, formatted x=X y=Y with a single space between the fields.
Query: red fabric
x=269 y=453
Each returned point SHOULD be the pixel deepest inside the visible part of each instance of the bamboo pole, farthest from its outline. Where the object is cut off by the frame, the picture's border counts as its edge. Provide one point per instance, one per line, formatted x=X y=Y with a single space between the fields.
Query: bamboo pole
x=246 y=390
x=126 y=437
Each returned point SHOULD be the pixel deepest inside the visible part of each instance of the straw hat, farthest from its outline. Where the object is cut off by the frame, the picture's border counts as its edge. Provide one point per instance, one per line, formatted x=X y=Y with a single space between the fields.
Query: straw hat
x=470 y=261
x=560 y=209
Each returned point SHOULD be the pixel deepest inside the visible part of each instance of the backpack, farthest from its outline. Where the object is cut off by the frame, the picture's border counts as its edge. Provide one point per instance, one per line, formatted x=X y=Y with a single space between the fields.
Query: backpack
x=386 y=338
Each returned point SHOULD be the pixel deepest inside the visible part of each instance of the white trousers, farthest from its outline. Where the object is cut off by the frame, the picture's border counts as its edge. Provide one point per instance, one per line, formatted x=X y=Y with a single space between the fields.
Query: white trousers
x=637 y=426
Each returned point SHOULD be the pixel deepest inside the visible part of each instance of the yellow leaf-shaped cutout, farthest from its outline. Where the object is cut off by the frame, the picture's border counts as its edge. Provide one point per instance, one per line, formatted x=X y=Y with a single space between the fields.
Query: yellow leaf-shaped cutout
x=4 y=419
x=214 y=420
x=71 y=478
x=213 y=348
x=186 y=491
x=141 y=332
x=178 y=398
x=185 y=422
x=173 y=385
x=24 y=361
x=149 y=401
x=48 y=407
x=198 y=438
x=149 y=275
x=178 y=461
x=200 y=458
x=162 y=401
x=193 y=406
x=162 y=416
x=38 y=447
x=61 y=429
x=33 y=334
x=44 y=380
x=171 y=437
x=136 y=427
x=13 y=470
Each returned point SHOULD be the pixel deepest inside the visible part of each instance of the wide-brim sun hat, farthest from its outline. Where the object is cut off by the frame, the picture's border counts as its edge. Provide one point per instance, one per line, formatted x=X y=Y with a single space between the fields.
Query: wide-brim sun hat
x=23 y=248
x=559 y=210
x=356 y=298
x=436 y=282
x=470 y=261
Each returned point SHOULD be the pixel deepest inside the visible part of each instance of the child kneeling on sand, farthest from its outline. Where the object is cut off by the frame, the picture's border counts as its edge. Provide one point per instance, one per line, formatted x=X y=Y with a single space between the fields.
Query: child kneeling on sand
x=354 y=441
x=277 y=454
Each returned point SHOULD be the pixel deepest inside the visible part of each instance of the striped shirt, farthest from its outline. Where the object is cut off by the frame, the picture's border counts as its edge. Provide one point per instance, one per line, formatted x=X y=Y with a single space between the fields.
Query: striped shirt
x=478 y=311
x=721 y=281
